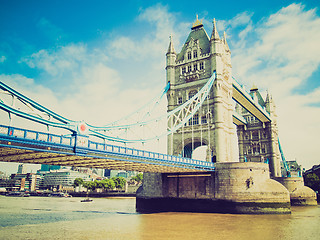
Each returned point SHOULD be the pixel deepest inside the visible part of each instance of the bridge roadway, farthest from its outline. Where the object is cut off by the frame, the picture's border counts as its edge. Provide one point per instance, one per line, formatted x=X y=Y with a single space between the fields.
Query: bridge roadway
x=26 y=146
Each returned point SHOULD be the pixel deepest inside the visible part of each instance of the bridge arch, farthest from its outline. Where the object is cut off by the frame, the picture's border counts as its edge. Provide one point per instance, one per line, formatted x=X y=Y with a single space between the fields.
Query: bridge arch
x=199 y=146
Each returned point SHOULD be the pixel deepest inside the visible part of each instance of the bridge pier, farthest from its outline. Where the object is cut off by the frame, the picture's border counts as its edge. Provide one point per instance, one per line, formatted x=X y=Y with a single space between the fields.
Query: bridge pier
x=232 y=188
x=300 y=195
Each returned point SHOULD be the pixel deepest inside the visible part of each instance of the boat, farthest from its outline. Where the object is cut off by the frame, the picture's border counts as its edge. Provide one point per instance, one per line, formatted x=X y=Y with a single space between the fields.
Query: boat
x=86 y=200
x=59 y=194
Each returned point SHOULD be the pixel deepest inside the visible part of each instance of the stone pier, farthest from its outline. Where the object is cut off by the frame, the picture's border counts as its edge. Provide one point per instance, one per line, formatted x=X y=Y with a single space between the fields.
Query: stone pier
x=300 y=195
x=232 y=188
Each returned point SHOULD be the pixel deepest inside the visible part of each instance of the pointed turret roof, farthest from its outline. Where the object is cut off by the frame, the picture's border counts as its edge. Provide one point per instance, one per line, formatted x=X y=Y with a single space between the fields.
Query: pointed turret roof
x=225 y=41
x=215 y=34
x=198 y=35
x=171 y=48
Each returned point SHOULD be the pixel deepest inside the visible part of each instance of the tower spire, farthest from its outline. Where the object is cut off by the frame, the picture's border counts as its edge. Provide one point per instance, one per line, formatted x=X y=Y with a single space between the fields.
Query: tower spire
x=171 y=48
x=225 y=41
x=215 y=34
x=197 y=23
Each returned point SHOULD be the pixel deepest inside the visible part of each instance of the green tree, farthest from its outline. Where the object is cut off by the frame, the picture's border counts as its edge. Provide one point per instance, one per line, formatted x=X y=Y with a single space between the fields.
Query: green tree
x=99 y=184
x=312 y=180
x=138 y=178
x=108 y=184
x=78 y=182
x=90 y=185
x=119 y=182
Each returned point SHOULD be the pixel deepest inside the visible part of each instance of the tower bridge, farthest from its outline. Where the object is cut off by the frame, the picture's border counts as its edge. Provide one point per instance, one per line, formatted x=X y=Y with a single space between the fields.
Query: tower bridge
x=206 y=107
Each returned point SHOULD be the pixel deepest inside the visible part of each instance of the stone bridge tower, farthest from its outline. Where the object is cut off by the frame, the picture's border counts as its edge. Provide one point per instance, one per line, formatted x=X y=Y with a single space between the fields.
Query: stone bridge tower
x=187 y=72
x=258 y=142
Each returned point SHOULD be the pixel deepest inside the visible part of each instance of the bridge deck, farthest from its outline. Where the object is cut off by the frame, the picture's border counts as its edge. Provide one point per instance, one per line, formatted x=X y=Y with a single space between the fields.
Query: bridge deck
x=25 y=146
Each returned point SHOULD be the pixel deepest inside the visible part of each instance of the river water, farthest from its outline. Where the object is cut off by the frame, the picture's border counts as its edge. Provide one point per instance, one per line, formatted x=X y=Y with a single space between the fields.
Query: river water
x=116 y=218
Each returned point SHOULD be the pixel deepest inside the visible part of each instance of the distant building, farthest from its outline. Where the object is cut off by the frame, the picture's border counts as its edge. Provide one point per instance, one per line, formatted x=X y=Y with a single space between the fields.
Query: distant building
x=63 y=178
x=107 y=173
x=47 y=168
x=25 y=181
x=22 y=169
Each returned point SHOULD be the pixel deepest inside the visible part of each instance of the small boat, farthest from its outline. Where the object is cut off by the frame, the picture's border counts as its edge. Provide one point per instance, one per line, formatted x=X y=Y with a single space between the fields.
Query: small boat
x=59 y=194
x=86 y=200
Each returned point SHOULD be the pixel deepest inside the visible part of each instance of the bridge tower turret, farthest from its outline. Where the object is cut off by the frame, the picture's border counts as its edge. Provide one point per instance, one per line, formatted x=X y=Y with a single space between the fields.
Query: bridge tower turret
x=222 y=96
x=188 y=71
x=170 y=68
x=275 y=166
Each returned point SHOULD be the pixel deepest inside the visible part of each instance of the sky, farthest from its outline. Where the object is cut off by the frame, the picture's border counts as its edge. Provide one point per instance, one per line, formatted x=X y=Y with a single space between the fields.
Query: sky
x=99 y=60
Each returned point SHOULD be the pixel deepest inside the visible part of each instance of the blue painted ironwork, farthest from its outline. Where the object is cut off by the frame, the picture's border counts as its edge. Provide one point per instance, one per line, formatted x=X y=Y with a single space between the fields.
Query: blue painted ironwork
x=284 y=160
x=12 y=137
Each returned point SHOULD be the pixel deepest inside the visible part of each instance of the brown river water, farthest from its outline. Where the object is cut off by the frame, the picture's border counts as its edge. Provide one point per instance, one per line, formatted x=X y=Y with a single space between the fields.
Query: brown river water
x=116 y=218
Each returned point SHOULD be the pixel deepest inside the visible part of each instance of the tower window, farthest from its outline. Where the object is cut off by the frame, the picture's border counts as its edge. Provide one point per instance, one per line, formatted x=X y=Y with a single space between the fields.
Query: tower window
x=201 y=66
x=195 y=67
x=189 y=68
x=195 y=54
x=195 y=119
x=189 y=55
x=183 y=70
x=179 y=100
x=204 y=119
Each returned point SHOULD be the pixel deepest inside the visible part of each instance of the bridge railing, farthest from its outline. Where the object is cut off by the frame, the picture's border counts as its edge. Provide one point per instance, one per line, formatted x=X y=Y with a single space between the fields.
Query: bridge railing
x=147 y=154
x=34 y=137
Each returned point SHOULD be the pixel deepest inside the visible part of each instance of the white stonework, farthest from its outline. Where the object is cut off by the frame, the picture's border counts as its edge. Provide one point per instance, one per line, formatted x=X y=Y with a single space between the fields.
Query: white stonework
x=187 y=72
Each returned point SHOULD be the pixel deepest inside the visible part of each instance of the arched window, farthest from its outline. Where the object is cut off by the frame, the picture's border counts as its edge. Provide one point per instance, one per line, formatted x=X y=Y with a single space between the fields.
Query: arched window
x=195 y=54
x=189 y=55
x=201 y=66
x=195 y=67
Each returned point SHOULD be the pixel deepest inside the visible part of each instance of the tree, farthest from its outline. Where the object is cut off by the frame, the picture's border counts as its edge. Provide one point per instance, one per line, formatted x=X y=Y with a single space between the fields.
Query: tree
x=99 y=184
x=78 y=182
x=90 y=185
x=138 y=178
x=119 y=182
x=312 y=180
x=108 y=184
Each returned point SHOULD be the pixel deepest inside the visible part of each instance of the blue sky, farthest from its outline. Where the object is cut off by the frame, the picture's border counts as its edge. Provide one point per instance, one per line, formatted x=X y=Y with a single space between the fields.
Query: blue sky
x=97 y=60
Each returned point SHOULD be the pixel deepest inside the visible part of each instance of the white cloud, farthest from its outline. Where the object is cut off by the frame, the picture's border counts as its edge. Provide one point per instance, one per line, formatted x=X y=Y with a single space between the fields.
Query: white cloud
x=280 y=57
x=154 y=43
x=56 y=62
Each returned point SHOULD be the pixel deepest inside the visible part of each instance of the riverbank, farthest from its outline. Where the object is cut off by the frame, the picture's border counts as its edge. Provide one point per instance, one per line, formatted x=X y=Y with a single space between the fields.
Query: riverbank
x=102 y=195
